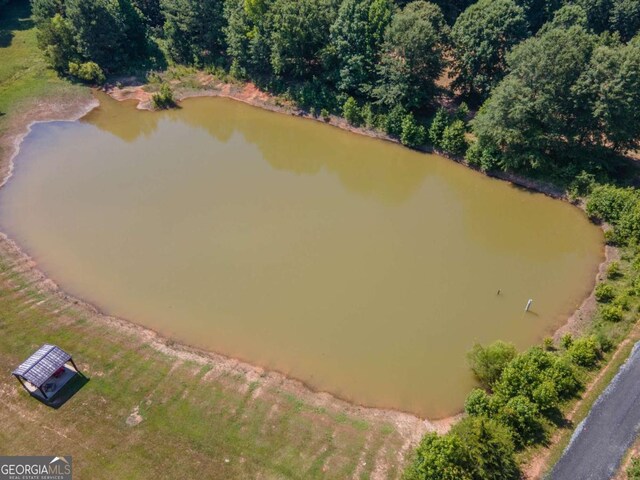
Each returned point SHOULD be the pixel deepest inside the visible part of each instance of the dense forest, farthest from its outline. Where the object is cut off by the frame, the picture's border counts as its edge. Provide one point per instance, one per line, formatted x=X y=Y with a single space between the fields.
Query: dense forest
x=555 y=83
x=546 y=88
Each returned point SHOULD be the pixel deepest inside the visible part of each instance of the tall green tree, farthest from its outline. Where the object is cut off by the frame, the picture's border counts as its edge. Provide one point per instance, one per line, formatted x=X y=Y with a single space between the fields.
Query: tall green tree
x=532 y=115
x=413 y=56
x=356 y=37
x=246 y=37
x=193 y=29
x=108 y=32
x=480 y=39
x=299 y=31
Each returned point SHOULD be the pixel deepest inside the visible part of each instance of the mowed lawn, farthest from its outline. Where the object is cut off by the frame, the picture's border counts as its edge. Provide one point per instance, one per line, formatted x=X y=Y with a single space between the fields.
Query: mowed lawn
x=145 y=413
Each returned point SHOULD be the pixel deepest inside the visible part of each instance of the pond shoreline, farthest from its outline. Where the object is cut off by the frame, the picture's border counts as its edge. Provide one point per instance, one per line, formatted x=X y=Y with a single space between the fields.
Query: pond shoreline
x=411 y=426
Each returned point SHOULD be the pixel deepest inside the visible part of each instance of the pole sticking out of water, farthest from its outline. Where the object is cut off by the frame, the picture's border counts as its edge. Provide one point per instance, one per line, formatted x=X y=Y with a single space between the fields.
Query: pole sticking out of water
x=526 y=309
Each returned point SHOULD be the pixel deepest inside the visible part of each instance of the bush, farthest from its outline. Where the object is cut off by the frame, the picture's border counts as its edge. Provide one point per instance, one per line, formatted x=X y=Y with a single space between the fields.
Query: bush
x=609 y=203
x=585 y=352
x=89 y=72
x=478 y=403
x=491 y=447
x=487 y=363
x=547 y=344
x=453 y=139
x=613 y=271
x=351 y=111
x=443 y=457
x=484 y=158
x=413 y=134
x=368 y=116
x=582 y=185
x=604 y=293
x=393 y=121
x=163 y=98
x=438 y=126
x=324 y=113
x=612 y=313
x=633 y=472
x=521 y=415
x=566 y=341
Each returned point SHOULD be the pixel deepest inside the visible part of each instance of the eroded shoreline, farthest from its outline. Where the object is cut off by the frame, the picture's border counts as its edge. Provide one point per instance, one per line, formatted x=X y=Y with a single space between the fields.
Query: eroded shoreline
x=411 y=426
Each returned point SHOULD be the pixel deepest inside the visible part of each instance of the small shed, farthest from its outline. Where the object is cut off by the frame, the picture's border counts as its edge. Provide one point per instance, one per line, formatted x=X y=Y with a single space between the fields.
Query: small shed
x=46 y=371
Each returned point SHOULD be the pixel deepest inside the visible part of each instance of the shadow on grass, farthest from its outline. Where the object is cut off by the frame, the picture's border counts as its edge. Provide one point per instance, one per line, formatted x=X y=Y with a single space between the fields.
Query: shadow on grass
x=61 y=397
x=16 y=15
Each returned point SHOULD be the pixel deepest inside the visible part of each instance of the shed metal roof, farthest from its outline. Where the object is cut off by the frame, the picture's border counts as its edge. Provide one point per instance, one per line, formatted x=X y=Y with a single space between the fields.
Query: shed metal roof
x=39 y=367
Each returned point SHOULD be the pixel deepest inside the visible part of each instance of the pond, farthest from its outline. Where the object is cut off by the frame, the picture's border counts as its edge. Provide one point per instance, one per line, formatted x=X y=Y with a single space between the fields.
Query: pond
x=357 y=266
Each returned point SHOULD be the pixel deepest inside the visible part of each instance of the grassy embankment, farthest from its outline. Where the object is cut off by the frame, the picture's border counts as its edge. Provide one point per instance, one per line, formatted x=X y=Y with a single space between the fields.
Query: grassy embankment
x=196 y=420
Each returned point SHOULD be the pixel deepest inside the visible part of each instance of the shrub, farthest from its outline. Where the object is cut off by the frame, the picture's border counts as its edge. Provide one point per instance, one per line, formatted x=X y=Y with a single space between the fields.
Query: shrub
x=547 y=344
x=608 y=203
x=585 y=352
x=582 y=184
x=488 y=363
x=351 y=111
x=633 y=471
x=613 y=270
x=453 y=139
x=368 y=116
x=478 y=403
x=393 y=121
x=484 y=158
x=612 y=313
x=604 y=293
x=89 y=72
x=566 y=341
x=438 y=126
x=443 y=457
x=324 y=113
x=490 y=445
x=521 y=415
x=163 y=98
x=413 y=134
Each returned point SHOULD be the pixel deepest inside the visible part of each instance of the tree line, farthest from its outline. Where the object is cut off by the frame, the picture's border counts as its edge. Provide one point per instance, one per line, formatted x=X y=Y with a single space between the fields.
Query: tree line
x=557 y=81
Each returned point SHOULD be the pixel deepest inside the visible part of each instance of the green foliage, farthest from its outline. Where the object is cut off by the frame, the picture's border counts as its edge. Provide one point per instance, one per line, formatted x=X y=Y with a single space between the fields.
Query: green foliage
x=441 y=458
x=478 y=403
x=351 y=111
x=617 y=206
x=89 y=72
x=324 y=113
x=453 y=138
x=298 y=33
x=568 y=96
x=566 y=341
x=604 y=293
x=612 y=313
x=394 y=119
x=633 y=471
x=356 y=39
x=438 y=125
x=477 y=448
x=547 y=344
x=412 y=56
x=488 y=363
x=163 y=98
x=585 y=352
x=193 y=30
x=582 y=185
x=613 y=270
x=413 y=134
x=481 y=37
x=523 y=418
x=491 y=447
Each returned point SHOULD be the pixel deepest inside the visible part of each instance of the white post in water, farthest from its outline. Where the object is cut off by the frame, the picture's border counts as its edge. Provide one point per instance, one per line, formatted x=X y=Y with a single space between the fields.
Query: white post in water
x=526 y=309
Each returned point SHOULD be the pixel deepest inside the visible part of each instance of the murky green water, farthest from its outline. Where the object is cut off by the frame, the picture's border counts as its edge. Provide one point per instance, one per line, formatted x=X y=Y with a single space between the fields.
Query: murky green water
x=360 y=267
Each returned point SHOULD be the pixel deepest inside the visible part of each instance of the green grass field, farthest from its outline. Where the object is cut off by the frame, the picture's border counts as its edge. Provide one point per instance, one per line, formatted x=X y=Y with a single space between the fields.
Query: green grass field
x=197 y=421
